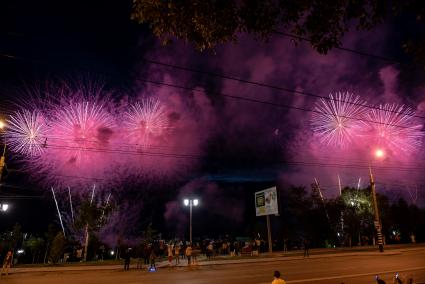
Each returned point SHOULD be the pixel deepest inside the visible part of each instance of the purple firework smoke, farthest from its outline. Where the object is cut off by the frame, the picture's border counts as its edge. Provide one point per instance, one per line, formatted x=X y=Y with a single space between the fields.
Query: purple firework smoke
x=27 y=133
x=392 y=127
x=337 y=120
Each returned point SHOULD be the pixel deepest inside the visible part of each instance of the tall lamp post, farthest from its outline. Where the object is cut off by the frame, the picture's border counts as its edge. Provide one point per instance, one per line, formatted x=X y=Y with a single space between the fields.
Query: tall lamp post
x=378 y=154
x=190 y=203
x=2 y=157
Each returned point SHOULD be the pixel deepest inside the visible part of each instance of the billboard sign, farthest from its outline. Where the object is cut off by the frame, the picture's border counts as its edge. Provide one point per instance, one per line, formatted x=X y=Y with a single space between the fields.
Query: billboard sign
x=266 y=202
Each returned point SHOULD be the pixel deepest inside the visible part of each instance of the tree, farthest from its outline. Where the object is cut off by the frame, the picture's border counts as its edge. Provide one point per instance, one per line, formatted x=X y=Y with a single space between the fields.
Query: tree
x=49 y=236
x=57 y=248
x=34 y=245
x=358 y=214
x=206 y=23
x=91 y=218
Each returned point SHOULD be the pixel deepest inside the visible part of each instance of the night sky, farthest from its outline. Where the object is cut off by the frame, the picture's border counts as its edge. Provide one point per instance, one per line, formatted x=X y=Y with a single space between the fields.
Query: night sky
x=236 y=146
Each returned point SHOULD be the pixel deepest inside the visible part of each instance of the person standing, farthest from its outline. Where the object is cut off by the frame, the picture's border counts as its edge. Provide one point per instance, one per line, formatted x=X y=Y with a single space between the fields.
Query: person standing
x=127 y=258
x=189 y=254
x=146 y=254
x=7 y=262
x=277 y=279
x=306 y=247
x=210 y=251
x=152 y=258
x=177 y=253
x=170 y=251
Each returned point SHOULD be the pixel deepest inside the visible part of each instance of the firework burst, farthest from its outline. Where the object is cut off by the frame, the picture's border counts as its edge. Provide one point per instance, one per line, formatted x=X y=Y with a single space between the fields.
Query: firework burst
x=336 y=121
x=80 y=129
x=27 y=133
x=146 y=120
x=393 y=127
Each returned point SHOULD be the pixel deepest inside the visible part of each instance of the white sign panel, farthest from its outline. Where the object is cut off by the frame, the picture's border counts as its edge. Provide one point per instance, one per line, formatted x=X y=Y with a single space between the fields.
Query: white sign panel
x=266 y=202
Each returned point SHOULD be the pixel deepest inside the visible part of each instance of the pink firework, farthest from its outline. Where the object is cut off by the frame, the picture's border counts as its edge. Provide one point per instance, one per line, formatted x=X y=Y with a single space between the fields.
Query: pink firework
x=27 y=133
x=145 y=122
x=393 y=128
x=81 y=130
x=337 y=120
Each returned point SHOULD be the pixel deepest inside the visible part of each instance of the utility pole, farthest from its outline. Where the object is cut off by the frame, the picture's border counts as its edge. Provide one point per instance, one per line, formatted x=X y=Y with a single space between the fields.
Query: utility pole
x=269 y=233
x=377 y=221
x=2 y=161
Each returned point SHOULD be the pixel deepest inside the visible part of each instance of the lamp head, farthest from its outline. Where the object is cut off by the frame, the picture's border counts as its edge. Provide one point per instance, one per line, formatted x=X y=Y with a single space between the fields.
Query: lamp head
x=379 y=153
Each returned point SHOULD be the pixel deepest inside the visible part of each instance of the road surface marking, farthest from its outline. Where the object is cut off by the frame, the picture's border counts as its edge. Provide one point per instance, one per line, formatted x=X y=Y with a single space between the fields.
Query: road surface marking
x=351 y=275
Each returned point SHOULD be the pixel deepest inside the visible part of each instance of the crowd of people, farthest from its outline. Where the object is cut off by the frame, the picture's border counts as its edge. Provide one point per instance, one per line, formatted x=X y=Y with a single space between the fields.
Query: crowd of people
x=177 y=252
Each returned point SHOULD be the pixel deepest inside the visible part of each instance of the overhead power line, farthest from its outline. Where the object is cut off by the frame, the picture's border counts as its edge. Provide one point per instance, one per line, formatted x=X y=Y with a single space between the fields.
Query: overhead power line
x=261 y=84
x=271 y=103
x=358 y=52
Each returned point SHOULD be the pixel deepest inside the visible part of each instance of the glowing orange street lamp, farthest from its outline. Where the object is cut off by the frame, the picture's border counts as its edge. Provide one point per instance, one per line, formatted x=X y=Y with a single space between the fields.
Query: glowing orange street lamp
x=379 y=153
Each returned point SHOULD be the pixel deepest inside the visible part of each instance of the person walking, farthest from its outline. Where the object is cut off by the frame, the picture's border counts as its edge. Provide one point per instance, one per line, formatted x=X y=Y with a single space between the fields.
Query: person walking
x=7 y=262
x=277 y=279
x=189 y=254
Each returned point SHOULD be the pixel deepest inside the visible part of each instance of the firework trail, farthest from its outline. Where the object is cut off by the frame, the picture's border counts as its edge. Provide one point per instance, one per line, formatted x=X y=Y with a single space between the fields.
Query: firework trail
x=393 y=128
x=145 y=121
x=70 y=204
x=92 y=194
x=106 y=205
x=335 y=121
x=27 y=133
x=59 y=213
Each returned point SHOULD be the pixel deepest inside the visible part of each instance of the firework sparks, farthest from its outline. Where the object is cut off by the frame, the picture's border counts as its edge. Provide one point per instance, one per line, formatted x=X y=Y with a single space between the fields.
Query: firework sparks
x=146 y=120
x=393 y=128
x=336 y=120
x=27 y=133
x=80 y=128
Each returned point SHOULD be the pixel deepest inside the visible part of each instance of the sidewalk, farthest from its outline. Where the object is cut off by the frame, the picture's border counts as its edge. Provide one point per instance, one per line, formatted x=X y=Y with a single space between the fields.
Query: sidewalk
x=225 y=260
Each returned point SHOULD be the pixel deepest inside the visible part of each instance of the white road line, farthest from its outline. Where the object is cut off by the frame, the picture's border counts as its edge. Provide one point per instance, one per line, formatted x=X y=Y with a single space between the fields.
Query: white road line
x=350 y=275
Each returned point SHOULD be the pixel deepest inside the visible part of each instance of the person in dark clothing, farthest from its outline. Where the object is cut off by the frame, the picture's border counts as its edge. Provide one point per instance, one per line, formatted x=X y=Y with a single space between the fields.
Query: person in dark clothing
x=152 y=258
x=146 y=254
x=379 y=280
x=127 y=258
x=306 y=247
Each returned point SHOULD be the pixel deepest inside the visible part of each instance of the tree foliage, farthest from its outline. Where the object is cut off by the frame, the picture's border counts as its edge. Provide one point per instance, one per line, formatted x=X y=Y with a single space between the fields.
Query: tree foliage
x=92 y=215
x=57 y=248
x=206 y=23
x=347 y=219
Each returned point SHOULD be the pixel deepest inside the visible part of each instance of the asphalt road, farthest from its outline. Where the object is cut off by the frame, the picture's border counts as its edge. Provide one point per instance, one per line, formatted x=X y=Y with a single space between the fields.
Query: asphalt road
x=329 y=270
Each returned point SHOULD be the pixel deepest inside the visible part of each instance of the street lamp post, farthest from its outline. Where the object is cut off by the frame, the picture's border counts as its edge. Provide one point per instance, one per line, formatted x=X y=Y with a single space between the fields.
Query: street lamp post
x=376 y=211
x=379 y=154
x=2 y=157
x=190 y=203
